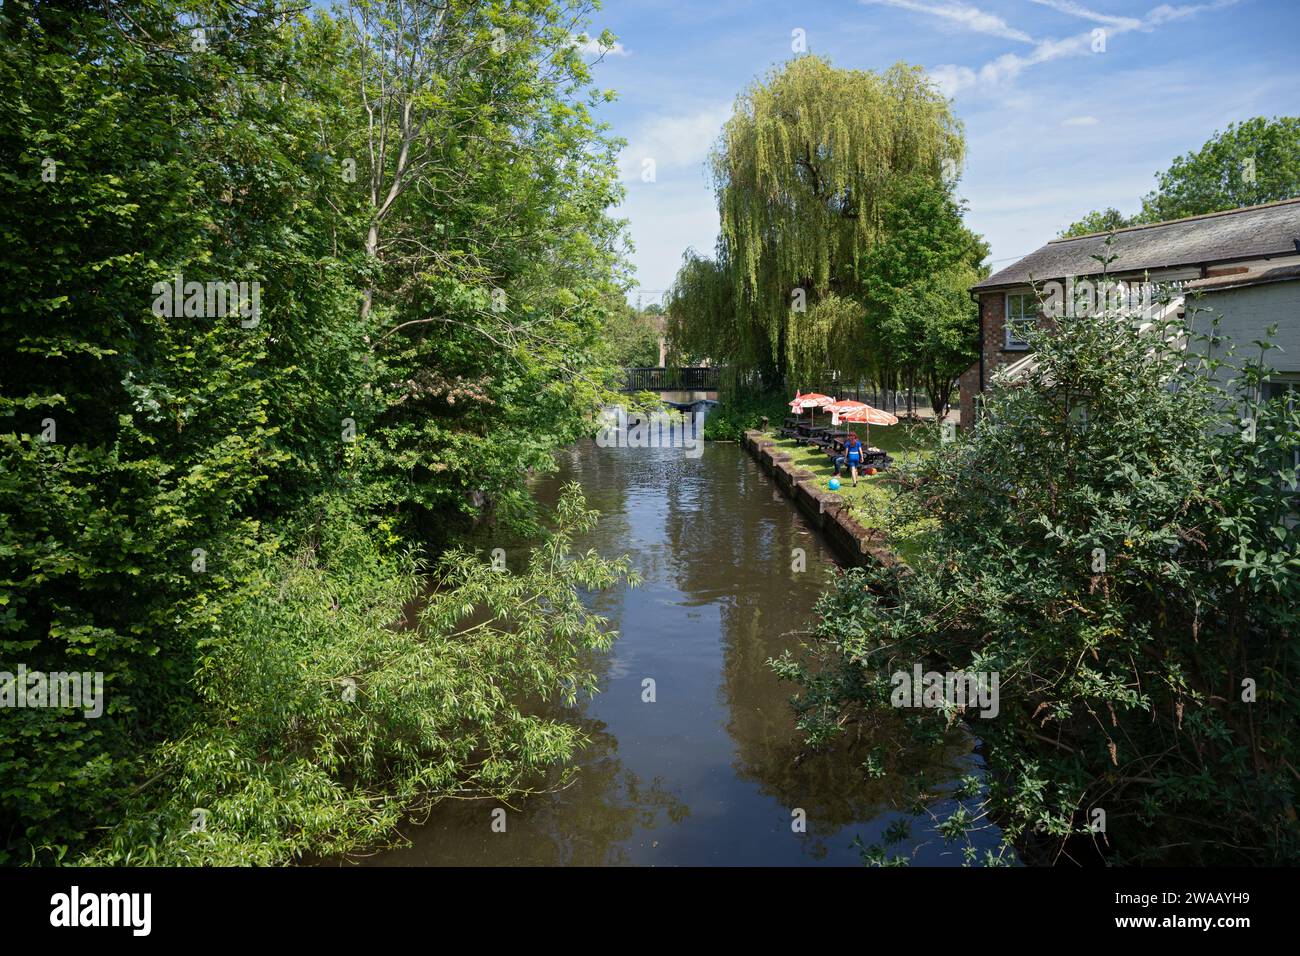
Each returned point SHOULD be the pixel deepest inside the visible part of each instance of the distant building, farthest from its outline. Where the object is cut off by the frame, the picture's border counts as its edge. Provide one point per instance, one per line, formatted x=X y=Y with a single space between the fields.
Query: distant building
x=660 y=322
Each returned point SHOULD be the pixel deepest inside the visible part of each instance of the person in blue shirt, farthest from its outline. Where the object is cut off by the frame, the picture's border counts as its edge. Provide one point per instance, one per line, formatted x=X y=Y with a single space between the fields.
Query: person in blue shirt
x=852 y=457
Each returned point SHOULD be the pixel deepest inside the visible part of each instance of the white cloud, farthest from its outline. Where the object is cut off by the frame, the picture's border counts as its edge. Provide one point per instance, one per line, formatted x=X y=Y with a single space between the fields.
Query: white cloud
x=665 y=219
x=959 y=13
x=1078 y=10
x=1081 y=121
x=952 y=79
x=593 y=47
x=1166 y=13
x=673 y=141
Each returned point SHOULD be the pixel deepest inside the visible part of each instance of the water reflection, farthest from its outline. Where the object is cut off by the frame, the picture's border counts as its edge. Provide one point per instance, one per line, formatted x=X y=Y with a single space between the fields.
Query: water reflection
x=710 y=772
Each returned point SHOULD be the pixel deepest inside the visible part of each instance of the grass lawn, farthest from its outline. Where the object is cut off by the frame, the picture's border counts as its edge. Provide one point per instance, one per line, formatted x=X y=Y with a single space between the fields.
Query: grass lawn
x=871 y=499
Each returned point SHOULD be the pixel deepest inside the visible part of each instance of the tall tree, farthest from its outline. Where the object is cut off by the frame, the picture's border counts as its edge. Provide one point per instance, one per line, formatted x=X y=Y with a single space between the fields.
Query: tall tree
x=144 y=143
x=158 y=455
x=1252 y=162
x=802 y=171
x=1104 y=220
x=922 y=326
x=633 y=336
x=491 y=261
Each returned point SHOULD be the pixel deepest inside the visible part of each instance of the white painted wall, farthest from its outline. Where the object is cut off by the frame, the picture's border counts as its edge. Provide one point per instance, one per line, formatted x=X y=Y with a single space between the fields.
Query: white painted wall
x=1246 y=313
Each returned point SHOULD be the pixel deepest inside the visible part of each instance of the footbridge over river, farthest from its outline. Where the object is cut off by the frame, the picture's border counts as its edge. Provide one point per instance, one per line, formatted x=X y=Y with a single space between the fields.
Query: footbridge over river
x=683 y=388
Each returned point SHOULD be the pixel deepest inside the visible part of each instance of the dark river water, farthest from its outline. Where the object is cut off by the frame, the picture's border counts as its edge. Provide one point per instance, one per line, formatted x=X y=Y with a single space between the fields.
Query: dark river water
x=709 y=773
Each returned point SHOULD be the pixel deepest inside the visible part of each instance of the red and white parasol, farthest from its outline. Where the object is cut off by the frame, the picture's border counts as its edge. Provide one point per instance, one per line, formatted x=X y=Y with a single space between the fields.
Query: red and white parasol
x=843 y=406
x=866 y=415
x=813 y=400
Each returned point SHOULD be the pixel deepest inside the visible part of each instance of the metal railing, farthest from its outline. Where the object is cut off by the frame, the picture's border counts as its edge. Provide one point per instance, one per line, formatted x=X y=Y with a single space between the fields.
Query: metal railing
x=659 y=379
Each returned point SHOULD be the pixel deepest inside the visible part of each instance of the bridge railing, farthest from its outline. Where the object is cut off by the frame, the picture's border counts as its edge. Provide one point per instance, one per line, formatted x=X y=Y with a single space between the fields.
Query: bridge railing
x=659 y=379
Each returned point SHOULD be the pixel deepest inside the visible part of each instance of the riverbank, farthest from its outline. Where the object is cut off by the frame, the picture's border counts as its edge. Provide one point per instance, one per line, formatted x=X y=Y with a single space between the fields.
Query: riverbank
x=858 y=520
x=854 y=543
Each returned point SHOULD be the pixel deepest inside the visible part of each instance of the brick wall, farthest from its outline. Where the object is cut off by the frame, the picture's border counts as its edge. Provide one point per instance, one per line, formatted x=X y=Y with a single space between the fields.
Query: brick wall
x=993 y=320
x=993 y=317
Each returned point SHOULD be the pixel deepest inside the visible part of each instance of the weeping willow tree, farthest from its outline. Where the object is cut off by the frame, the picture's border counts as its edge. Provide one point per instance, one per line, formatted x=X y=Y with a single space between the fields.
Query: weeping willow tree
x=700 y=292
x=802 y=171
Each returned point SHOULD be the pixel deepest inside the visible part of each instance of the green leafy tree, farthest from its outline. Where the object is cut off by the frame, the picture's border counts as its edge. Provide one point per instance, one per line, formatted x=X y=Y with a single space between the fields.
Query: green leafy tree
x=1106 y=220
x=323 y=725
x=492 y=256
x=161 y=465
x=936 y=325
x=703 y=321
x=921 y=325
x=1252 y=162
x=632 y=336
x=802 y=171
x=139 y=439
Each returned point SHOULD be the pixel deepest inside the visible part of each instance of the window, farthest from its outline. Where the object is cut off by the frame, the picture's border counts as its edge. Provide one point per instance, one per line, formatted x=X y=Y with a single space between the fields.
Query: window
x=1022 y=312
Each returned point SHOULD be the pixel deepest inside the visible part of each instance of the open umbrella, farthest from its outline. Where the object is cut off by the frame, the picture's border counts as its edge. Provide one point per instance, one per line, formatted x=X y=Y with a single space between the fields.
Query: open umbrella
x=870 y=416
x=838 y=410
x=813 y=400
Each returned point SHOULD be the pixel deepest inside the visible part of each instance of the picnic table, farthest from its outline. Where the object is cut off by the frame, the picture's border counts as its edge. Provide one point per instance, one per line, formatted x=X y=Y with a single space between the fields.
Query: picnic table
x=789 y=429
x=871 y=457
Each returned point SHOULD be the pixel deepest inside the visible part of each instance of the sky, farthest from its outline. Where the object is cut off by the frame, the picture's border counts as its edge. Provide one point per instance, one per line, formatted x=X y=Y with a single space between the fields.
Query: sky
x=1054 y=128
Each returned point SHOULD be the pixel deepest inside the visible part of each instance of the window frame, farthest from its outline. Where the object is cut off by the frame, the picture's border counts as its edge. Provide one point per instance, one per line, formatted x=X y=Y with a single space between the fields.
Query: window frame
x=1010 y=343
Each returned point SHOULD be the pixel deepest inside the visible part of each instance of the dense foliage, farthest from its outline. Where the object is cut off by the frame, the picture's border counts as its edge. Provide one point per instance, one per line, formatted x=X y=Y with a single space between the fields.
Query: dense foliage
x=1255 y=161
x=835 y=198
x=923 y=325
x=1115 y=541
x=323 y=725
x=632 y=336
x=745 y=410
x=188 y=490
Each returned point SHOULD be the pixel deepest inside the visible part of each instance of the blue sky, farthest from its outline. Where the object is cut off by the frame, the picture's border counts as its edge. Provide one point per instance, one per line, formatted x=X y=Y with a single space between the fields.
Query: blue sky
x=1053 y=129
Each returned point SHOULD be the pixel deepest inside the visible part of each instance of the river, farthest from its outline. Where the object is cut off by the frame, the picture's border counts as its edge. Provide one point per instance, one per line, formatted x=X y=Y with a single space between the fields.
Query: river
x=709 y=773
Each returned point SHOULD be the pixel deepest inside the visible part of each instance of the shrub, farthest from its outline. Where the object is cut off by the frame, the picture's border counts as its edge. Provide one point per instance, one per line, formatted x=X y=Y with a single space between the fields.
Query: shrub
x=1124 y=557
x=330 y=708
x=739 y=412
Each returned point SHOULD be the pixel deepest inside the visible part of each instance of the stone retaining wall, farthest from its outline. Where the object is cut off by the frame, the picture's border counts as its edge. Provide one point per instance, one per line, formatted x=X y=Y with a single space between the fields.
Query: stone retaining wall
x=825 y=510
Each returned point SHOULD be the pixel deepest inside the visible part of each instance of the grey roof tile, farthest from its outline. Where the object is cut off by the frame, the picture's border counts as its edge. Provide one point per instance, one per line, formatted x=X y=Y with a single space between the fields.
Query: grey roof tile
x=1254 y=231
x=1258 y=276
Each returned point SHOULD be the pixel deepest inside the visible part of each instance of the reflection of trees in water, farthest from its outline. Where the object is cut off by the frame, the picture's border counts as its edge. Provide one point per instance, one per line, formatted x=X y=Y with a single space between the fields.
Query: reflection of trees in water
x=764 y=608
x=611 y=802
x=832 y=786
x=605 y=489
x=726 y=542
